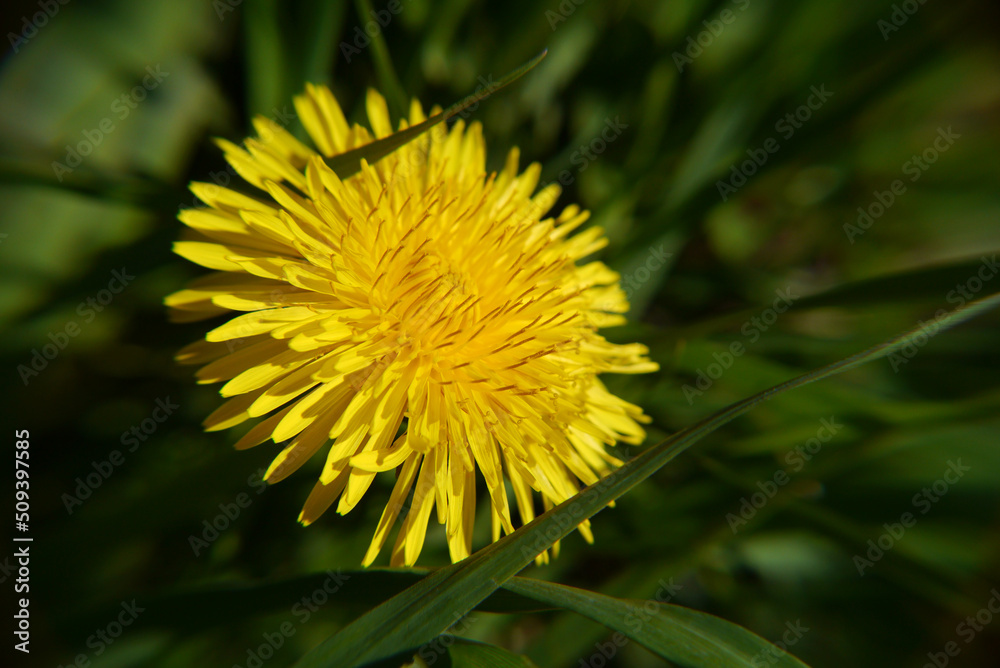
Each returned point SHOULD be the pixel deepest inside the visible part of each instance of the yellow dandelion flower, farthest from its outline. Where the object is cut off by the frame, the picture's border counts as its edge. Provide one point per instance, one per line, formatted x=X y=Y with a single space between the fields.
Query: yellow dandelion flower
x=419 y=315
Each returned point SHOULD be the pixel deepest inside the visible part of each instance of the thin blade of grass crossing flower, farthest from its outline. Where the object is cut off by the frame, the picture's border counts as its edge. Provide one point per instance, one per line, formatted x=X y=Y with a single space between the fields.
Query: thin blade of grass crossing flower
x=349 y=162
x=425 y=610
x=683 y=636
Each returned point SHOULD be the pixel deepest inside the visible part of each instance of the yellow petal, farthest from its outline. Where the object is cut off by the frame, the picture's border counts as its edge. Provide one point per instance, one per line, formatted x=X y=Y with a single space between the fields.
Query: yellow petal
x=392 y=509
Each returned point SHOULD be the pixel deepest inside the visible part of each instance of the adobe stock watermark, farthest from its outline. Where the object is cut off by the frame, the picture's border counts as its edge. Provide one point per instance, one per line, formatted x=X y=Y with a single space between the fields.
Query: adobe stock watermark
x=786 y=126
x=565 y=10
x=796 y=460
x=430 y=652
x=753 y=329
x=102 y=470
x=415 y=158
x=303 y=610
x=966 y=630
x=961 y=294
x=121 y=108
x=266 y=130
x=589 y=152
x=214 y=527
x=486 y=87
x=423 y=486
x=7 y=568
x=247 y=329
x=59 y=339
x=635 y=619
x=570 y=517
x=966 y=292
x=101 y=639
x=914 y=168
x=776 y=652
x=31 y=25
x=581 y=159
x=223 y=7
x=363 y=37
x=656 y=259
x=697 y=44
x=901 y=13
x=922 y=501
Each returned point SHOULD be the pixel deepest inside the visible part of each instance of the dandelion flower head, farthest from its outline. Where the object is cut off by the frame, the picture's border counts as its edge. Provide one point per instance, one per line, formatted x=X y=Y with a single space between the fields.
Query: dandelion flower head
x=420 y=316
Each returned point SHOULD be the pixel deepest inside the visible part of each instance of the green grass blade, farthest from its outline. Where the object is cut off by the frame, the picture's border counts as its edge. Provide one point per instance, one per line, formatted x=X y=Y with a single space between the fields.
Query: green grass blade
x=425 y=610
x=319 y=49
x=681 y=635
x=348 y=163
x=267 y=71
x=471 y=654
x=386 y=73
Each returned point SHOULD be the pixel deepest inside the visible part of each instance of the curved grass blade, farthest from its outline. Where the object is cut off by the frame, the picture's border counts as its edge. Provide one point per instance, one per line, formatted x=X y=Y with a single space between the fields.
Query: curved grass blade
x=681 y=635
x=386 y=73
x=425 y=610
x=349 y=162
x=471 y=654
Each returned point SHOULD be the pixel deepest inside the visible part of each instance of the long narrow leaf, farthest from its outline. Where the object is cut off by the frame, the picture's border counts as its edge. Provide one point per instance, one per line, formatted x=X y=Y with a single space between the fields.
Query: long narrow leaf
x=681 y=635
x=386 y=73
x=348 y=163
x=471 y=654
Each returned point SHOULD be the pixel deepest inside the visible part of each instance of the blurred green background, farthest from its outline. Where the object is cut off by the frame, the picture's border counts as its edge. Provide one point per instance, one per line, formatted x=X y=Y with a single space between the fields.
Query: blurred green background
x=803 y=111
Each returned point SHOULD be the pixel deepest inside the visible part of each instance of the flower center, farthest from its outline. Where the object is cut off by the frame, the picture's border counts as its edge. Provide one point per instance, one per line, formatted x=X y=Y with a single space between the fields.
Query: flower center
x=432 y=301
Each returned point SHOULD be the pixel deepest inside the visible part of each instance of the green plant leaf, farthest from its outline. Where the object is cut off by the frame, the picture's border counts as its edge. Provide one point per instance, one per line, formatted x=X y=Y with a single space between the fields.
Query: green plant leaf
x=348 y=163
x=388 y=79
x=268 y=68
x=471 y=654
x=681 y=635
x=423 y=611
